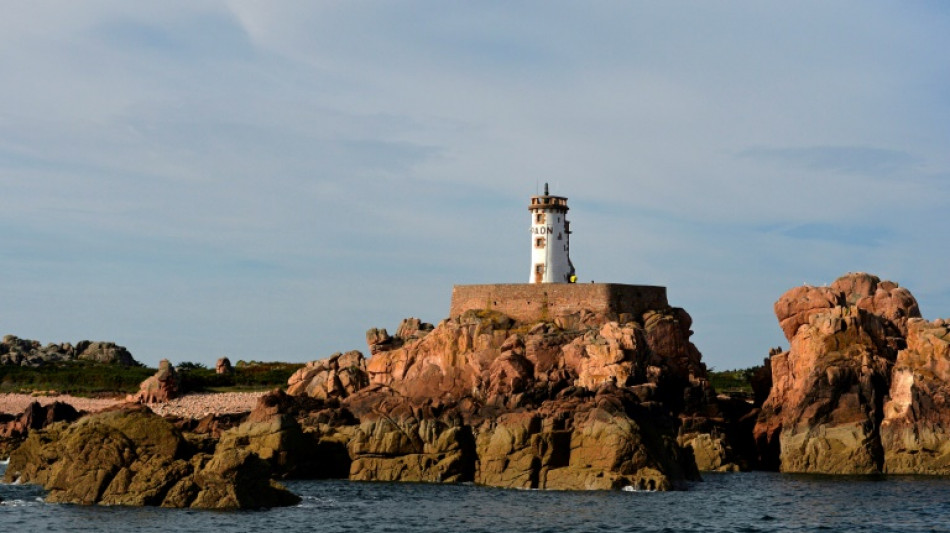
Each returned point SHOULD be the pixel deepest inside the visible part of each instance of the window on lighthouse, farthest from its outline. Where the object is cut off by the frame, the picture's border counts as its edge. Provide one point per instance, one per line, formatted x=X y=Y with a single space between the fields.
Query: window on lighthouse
x=539 y=218
x=539 y=242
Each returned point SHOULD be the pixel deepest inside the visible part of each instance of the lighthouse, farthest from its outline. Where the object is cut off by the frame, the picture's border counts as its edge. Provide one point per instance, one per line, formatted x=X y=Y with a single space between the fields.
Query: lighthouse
x=550 y=240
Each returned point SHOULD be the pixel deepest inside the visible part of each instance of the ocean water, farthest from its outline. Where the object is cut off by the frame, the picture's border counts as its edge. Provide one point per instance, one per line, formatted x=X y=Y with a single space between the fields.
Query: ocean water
x=745 y=502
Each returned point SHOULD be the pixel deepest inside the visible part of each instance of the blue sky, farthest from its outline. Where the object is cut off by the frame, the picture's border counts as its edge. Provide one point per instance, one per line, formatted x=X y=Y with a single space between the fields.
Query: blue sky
x=267 y=180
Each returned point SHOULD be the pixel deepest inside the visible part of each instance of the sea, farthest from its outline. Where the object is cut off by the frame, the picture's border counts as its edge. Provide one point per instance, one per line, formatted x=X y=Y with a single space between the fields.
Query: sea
x=735 y=502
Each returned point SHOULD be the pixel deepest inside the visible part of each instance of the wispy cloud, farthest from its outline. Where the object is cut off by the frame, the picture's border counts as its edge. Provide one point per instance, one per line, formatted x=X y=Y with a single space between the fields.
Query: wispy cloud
x=267 y=180
x=865 y=161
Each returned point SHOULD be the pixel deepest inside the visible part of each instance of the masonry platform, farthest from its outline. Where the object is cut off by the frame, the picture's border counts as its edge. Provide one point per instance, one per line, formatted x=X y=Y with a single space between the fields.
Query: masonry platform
x=528 y=302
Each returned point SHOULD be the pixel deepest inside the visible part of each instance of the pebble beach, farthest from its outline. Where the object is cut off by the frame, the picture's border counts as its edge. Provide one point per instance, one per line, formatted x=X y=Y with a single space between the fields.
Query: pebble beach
x=188 y=406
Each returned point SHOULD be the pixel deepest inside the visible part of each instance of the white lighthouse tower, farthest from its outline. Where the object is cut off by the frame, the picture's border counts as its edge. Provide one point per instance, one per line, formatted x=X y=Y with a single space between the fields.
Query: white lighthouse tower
x=550 y=240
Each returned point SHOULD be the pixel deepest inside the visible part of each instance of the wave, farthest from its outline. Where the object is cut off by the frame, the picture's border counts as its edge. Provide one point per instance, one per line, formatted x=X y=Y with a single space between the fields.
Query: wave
x=631 y=488
x=315 y=501
x=22 y=503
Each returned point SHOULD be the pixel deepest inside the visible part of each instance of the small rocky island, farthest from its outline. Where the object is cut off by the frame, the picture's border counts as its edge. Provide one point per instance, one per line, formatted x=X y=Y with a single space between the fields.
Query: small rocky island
x=559 y=398
x=586 y=399
x=550 y=384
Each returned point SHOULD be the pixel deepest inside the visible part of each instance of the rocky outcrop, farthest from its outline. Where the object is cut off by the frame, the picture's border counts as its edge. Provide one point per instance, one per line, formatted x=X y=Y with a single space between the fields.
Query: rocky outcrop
x=133 y=457
x=606 y=440
x=915 y=432
x=37 y=416
x=885 y=299
x=485 y=354
x=160 y=387
x=273 y=434
x=24 y=352
x=409 y=330
x=581 y=401
x=335 y=377
x=826 y=403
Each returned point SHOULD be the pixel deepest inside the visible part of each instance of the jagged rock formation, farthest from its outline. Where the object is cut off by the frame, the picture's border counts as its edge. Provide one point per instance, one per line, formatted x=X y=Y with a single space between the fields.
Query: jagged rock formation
x=133 y=457
x=863 y=386
x=335 y=377
x=915 y=432
x=160 y=387
x=409 y=330
x=24 y=352
x=487 y=355
x=580 y=401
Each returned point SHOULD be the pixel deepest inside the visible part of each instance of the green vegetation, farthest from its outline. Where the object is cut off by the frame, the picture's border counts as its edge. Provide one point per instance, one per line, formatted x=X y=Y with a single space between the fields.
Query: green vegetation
x=85 y=378
x=196 y=377
x=79 y=378
x=730 y=381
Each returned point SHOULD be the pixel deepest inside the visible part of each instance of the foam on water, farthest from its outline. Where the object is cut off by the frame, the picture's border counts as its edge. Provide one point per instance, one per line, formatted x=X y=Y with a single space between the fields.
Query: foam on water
x=631 y=488
x=23 y=503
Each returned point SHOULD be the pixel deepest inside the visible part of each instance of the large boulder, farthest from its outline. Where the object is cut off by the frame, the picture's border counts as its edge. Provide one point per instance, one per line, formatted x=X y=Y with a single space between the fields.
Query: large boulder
x=794 y=308
x=223 y=366
x=131 y=456
x=338 y=376
x=160 y=387
x=104 y=352
x=885 y=299
x=273 y=434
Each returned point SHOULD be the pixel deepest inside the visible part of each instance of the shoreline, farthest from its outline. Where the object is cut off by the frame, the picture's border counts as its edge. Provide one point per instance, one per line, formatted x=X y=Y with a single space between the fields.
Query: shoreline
x=195 y=405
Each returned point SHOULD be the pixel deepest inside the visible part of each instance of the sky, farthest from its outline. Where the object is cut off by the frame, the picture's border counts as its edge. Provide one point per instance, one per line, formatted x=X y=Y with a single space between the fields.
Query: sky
x=267 y=180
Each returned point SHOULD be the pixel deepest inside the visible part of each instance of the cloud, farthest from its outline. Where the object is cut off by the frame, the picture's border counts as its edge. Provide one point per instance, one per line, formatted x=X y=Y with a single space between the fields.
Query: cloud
x=865 y=161
x=268 y=180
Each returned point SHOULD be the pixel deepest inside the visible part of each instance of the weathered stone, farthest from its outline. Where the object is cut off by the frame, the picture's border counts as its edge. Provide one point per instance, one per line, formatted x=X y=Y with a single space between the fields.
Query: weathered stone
x=16 y=351
x=37 y=416
x=223 y=366
x=826 y=405
x=405 y=449
x=160 y=387
x=133 y=457
x=335 y=377
x=826 y=394
x=915 y=432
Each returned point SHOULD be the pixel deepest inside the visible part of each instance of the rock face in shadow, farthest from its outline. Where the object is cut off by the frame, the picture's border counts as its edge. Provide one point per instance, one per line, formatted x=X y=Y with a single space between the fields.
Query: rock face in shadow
x=915 y=432
x=133 y=457
x=607 y=440
x=826 y=411
x=16 y=428
x=37 y=416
